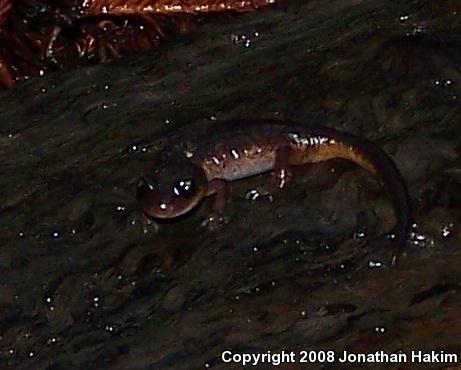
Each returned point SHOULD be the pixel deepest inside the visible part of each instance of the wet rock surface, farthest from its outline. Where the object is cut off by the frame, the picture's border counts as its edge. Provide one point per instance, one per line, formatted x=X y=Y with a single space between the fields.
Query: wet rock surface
x=88 y=282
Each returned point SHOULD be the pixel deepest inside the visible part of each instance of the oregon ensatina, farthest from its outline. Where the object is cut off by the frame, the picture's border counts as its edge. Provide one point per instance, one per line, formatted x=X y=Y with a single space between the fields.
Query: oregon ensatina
x=203 y=167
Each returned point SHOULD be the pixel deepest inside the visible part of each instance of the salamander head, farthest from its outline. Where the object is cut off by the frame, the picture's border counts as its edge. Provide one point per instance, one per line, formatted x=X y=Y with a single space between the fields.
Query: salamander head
x=172 y=189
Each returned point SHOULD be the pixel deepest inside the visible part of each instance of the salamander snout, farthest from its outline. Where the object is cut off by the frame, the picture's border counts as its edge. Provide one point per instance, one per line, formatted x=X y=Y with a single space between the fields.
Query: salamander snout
x=171 y=190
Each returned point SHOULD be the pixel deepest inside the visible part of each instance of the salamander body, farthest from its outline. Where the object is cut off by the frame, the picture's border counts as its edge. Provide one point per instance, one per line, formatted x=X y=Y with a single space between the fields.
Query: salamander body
x=204 y=166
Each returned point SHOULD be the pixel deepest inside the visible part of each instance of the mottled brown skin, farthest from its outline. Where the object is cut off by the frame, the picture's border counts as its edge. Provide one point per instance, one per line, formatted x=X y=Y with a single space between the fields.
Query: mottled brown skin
x=202 y=167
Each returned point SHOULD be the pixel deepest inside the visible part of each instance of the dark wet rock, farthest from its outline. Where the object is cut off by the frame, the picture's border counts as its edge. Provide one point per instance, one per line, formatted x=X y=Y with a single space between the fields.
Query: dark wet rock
x=88 y=283
x=174 y=299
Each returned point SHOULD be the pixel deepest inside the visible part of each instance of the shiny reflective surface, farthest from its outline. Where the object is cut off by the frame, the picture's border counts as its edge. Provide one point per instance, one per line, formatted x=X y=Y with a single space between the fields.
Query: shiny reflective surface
x=89 y=283
x=41 y=35
x=164 y=196
x=255 y=147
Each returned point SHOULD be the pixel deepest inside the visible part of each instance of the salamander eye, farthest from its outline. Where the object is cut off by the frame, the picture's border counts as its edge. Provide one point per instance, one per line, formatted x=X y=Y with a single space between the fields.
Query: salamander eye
x=184 y=187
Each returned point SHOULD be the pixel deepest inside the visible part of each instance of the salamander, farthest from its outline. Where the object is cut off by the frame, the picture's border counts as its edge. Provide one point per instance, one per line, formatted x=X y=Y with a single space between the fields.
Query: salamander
x=203 y=167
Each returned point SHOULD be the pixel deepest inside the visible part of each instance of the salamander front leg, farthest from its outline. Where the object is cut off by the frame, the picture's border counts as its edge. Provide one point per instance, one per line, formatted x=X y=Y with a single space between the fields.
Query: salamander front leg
x=282 y=171
x=220 y=191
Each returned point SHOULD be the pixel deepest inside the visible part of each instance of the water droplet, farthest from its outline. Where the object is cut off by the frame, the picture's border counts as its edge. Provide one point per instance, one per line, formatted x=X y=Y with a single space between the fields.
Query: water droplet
x=447 y=229
x=96 y=301
x=375 y=264
x=110 y=328
x=252 y=194
x=52 y=340
x=391 y=236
